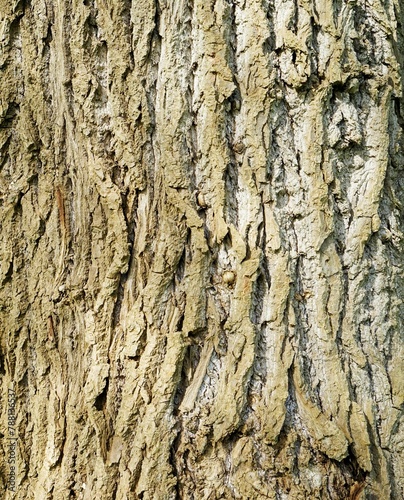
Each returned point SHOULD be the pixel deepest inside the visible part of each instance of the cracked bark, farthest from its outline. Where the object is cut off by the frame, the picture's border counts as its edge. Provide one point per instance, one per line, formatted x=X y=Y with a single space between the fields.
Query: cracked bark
x=202 y=248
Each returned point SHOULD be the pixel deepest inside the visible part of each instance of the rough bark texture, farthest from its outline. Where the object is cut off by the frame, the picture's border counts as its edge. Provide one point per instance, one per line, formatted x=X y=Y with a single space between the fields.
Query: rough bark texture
x=202 y=262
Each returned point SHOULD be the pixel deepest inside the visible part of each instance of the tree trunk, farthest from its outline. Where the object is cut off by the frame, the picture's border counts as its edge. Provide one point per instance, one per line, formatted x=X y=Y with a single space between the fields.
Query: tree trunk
x=202 y=263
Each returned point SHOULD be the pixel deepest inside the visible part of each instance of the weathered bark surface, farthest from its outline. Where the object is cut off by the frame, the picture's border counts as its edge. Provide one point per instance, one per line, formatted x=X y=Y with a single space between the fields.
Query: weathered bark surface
x=202 y=263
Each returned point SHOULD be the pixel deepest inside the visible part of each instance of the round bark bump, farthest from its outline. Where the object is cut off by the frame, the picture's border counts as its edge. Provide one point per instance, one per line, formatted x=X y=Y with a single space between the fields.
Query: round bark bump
x=200 y=198
x=229 y=277
x=239 y=147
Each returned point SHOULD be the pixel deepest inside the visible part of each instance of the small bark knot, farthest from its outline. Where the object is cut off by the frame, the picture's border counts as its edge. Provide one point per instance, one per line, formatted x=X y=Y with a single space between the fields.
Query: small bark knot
x=239 y=147
x=228 y=277
x=200 y=199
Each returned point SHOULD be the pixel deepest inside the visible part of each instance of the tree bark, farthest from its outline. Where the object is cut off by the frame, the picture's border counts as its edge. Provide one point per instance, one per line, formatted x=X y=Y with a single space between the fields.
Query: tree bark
x=202 y=268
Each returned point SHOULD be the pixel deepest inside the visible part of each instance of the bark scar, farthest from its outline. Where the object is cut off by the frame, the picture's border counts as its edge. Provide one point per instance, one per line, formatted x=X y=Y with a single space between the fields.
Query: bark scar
x=51 y=329
x=61 y=208
x=64 y=233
